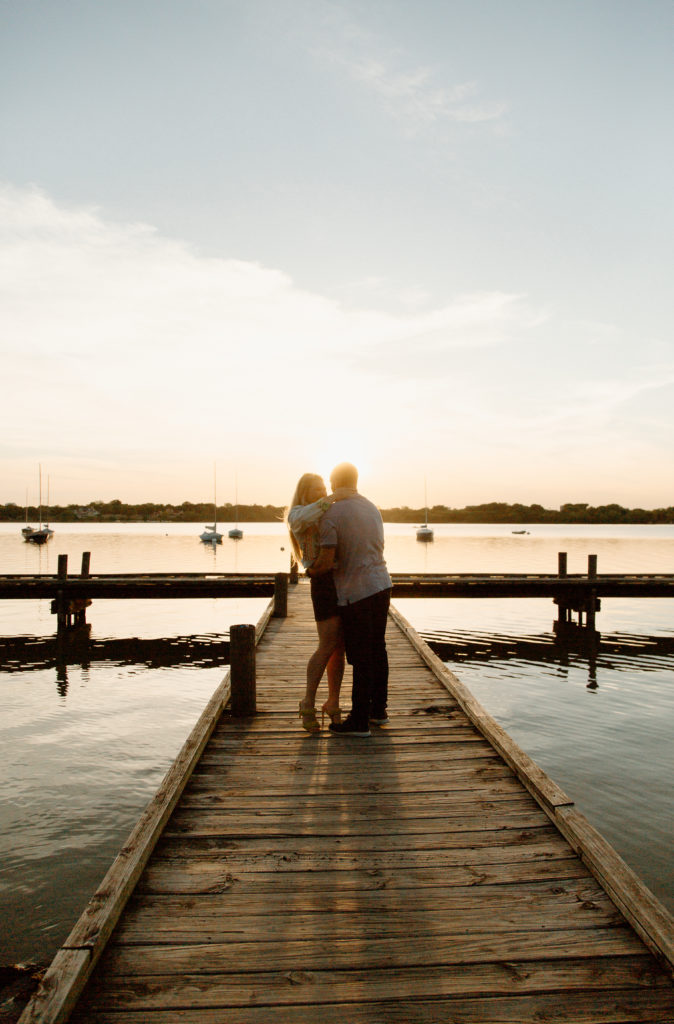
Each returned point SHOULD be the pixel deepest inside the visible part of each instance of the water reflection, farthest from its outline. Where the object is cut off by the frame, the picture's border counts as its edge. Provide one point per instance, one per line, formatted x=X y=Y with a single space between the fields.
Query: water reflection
x=615 y=652
x=618 y=652
x=35 y=654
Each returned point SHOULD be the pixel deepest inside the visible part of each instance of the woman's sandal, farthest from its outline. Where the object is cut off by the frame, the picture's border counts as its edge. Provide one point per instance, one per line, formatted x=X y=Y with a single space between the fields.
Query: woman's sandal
x=308 y=716
x=335 y=715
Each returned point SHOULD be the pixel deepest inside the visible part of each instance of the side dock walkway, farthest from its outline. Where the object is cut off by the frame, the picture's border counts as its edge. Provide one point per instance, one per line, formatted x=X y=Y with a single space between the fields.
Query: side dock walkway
x=430 y=873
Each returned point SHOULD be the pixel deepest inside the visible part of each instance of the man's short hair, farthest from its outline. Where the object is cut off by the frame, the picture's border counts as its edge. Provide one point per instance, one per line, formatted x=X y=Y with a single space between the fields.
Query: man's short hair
x=344 y=475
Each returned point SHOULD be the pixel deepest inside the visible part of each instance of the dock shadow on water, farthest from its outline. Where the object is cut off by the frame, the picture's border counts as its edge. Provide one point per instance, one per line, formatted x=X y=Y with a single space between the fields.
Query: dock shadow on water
x=79 y=648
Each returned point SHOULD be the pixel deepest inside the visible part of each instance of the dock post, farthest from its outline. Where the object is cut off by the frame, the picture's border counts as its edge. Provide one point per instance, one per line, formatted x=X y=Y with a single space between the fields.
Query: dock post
x=62 y=615
x=591 y=607
x=280 y=595
x=242 y=670
x=294 y=572
x=80 y=613
x=563 y=611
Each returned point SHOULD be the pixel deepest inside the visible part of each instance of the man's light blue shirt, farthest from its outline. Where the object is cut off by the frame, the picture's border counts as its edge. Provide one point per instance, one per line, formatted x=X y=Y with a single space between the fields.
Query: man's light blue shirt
x=354 y=528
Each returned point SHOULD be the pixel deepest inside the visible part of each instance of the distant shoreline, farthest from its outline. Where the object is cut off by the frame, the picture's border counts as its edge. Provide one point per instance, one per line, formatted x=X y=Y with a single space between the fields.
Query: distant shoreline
x=189 y=512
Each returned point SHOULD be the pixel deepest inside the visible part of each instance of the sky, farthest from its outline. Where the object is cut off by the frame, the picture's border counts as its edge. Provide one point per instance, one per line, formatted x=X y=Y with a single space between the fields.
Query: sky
x=434 y=239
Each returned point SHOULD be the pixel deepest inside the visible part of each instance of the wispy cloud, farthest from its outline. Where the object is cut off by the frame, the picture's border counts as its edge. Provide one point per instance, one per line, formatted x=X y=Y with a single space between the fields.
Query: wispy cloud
x=469 y=322
x=416 y=97
x=148 y=339
x=129 y=351
x=415 y=94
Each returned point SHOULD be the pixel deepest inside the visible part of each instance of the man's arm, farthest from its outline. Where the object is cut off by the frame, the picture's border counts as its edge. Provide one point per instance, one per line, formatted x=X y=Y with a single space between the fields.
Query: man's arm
x=324 y=562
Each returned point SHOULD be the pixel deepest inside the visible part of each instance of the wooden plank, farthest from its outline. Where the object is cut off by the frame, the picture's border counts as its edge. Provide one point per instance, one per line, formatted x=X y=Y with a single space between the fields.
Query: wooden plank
x=407 y=805
x=496 y=848
x=210 y=958
x=194 y=876
x=617 y=1007
x=317 y=848
x=377 y=762
x=365 y=781
x=213 y=823
x=267 y=899
x=274 y=988
x=217 y=918
x=57 y=995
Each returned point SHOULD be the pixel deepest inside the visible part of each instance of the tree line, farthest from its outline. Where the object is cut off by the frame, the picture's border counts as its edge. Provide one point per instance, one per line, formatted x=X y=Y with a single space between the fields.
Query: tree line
x=117 y=511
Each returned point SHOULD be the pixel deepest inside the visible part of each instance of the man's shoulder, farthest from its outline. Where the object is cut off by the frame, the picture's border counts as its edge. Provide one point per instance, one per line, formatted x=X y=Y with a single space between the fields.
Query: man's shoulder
x=353 y=510
x=367 y=506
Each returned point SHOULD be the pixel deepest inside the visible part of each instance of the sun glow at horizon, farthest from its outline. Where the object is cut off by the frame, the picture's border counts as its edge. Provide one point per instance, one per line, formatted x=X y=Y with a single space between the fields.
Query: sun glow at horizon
x=344 y=446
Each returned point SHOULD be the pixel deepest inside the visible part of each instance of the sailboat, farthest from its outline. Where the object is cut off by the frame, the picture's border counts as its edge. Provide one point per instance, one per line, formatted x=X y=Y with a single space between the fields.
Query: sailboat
x=27 y=529
x=425 y=532
x=43 y=533
x=210 y=534
x=235 y=533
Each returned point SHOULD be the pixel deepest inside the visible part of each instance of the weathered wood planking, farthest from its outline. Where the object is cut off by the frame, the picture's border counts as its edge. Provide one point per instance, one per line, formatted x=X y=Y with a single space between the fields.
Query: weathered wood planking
x=419 y=875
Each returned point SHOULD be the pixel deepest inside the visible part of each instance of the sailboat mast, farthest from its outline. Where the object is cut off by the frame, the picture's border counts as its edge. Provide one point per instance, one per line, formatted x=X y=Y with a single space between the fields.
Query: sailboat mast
x=40 y=486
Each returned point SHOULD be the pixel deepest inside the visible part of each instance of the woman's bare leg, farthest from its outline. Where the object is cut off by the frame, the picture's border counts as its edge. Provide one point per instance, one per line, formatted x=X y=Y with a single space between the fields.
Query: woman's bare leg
x=335 y=675
x=329 y=640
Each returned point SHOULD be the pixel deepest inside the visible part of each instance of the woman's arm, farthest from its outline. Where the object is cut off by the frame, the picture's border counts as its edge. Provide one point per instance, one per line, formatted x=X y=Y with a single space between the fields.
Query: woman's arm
x=301 y=516
x=325 y=560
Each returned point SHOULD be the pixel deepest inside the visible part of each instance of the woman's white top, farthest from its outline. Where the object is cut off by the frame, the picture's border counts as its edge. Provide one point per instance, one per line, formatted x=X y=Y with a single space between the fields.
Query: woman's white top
x=303 y=520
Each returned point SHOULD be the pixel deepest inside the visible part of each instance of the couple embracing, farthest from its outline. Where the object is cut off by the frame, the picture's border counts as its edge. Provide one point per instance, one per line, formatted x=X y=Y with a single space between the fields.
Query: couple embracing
x=339 y=538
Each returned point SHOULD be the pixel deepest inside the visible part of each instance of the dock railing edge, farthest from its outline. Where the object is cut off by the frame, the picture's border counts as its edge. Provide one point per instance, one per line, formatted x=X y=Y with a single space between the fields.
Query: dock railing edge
x=649 y=918
x=73 y=964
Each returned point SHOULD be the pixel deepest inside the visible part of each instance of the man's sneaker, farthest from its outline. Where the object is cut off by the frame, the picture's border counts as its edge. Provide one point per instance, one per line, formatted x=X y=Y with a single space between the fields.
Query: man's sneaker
x=349 y=728
x=379 y=720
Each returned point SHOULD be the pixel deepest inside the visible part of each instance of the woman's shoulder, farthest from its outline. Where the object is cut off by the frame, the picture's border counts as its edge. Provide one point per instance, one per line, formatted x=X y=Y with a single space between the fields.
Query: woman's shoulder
x=307 y=514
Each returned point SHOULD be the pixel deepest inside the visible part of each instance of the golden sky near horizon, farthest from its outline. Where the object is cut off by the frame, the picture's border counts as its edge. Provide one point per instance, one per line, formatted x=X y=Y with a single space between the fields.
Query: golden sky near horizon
x=281 y=235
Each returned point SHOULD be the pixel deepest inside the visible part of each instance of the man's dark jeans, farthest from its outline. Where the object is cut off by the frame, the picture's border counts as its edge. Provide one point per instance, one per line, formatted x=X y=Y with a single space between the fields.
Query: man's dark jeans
x=364 y=625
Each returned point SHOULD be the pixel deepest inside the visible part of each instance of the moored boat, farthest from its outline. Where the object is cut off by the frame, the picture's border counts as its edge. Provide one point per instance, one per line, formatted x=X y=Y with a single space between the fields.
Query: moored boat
x=42 y=534
x=210 y=534
x=425 y=532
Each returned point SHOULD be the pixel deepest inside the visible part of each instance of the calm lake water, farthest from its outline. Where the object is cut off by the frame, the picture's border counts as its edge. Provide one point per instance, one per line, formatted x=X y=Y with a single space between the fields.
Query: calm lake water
x=85 y=747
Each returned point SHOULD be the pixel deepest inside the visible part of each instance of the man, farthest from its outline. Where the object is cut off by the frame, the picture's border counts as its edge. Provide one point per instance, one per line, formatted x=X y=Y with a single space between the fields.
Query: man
x=352 y=544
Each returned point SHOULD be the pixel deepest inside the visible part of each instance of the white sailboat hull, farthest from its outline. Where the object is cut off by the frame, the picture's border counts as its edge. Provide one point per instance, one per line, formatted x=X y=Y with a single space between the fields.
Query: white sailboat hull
x=211 y=535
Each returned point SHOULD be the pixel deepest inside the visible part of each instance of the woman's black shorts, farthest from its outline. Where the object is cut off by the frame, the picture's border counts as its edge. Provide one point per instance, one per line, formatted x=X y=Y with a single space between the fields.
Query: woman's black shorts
x=324 y=596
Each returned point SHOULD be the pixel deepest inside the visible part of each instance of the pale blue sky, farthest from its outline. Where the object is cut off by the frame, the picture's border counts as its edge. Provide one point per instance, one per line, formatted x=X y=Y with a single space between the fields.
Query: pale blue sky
x=435 y=238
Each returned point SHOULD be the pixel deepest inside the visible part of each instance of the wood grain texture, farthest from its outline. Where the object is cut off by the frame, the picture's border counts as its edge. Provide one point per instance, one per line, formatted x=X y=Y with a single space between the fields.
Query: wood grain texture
x=416 y=875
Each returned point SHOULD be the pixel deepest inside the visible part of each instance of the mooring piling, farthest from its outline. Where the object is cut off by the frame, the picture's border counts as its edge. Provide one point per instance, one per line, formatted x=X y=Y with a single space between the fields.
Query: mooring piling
x=280 y=595
x=242 y=670
x=585 y=603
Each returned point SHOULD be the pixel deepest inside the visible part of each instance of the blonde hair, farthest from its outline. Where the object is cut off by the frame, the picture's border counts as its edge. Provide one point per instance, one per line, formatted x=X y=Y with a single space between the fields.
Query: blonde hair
x=304 y=485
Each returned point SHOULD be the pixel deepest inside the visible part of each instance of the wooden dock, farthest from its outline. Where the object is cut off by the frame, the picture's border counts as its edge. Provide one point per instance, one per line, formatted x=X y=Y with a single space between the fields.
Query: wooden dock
x=430 y=873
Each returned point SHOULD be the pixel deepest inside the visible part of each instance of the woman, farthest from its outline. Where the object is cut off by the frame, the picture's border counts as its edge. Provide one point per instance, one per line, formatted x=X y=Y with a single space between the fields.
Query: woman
x=309 y=502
